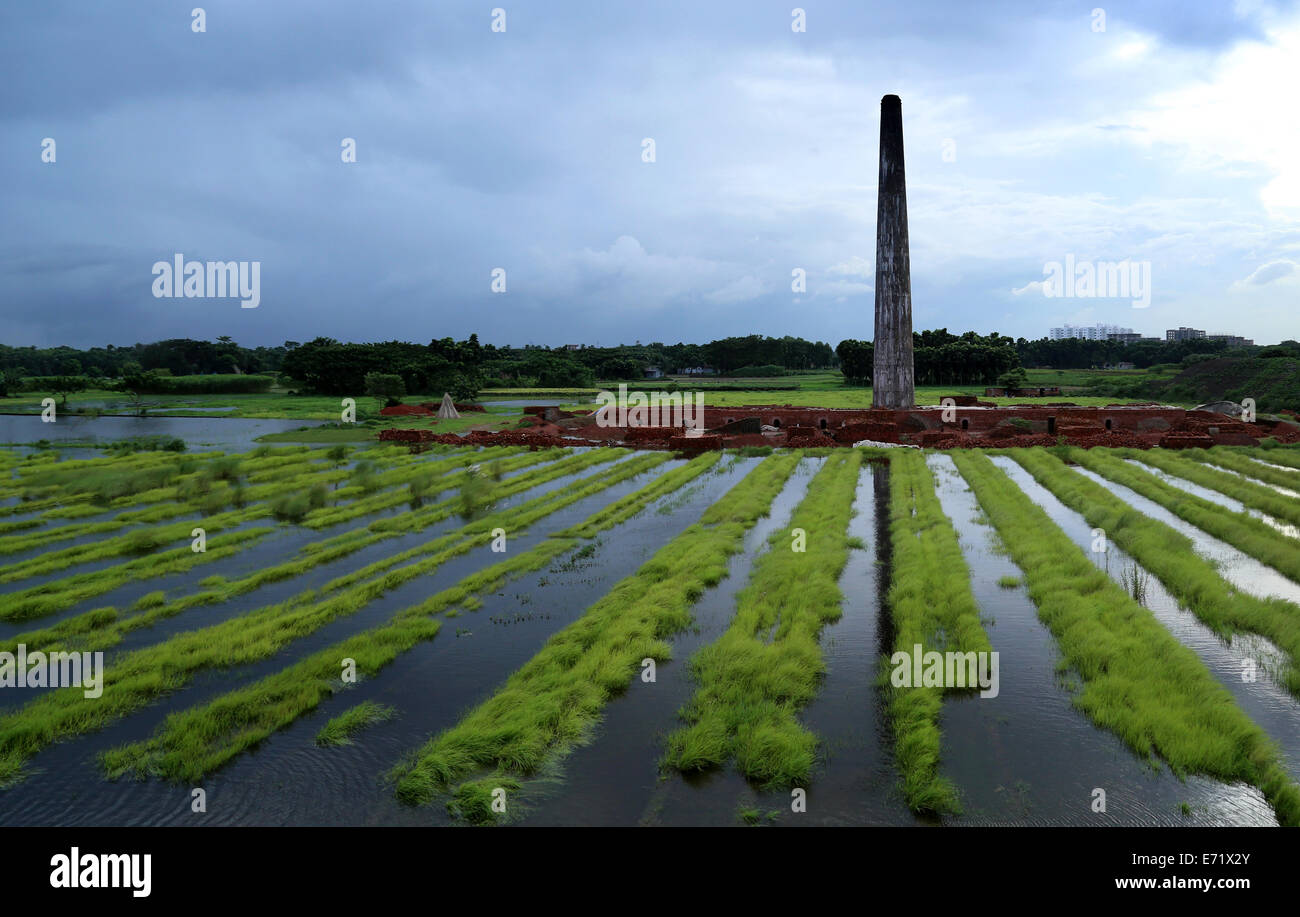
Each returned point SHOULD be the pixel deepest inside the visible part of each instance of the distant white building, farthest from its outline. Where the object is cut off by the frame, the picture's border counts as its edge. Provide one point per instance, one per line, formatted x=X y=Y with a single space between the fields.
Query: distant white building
x=1088 y=333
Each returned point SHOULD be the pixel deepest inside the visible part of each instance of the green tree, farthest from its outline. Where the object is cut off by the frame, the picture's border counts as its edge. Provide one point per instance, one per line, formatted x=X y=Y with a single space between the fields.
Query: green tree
x=387 y=387
x=66 y=385
x=856 y=361
x=1013 y=378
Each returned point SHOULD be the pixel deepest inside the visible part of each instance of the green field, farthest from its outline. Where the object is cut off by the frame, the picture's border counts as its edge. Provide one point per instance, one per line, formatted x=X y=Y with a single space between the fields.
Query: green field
x=812 y=389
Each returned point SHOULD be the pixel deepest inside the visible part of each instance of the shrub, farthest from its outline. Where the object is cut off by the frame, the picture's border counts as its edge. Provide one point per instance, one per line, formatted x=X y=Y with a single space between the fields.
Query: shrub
x=142 y=541
x=768 y=370
x=290 y=507
x=153 y=382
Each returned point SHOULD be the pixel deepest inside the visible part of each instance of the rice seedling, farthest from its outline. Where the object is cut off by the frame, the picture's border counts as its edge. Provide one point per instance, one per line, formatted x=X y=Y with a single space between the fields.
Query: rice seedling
x=1008 y=582
x=150 y=600
x=1136 y=679
x=363 y=477
x=473 y=800
x=290 y=507
x=341 y=729
x=225 y=468
x=753 y=680
x=556 y=697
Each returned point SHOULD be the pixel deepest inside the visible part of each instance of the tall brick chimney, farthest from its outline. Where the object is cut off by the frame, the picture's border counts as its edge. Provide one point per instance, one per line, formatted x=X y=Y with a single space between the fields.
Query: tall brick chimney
x=892 y=375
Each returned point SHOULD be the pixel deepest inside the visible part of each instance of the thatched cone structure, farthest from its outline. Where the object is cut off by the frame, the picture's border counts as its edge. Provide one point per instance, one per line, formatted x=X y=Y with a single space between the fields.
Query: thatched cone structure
x=448 y=407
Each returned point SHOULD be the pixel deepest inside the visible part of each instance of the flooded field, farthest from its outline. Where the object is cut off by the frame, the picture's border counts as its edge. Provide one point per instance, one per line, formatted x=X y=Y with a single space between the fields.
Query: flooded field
x=348 y=635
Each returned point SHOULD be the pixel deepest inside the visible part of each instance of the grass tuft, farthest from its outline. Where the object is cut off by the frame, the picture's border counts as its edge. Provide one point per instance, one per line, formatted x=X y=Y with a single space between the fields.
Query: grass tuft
x=341 y=729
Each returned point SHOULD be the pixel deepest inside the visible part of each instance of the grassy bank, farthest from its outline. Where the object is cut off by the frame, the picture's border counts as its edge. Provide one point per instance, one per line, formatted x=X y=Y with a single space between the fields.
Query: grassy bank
x=755 y=678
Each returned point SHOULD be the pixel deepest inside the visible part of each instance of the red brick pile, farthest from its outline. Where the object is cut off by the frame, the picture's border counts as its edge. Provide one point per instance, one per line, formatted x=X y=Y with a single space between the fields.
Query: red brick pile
x=650 y=434
x=1178 y=440
x=407 y=410
x=695 y=443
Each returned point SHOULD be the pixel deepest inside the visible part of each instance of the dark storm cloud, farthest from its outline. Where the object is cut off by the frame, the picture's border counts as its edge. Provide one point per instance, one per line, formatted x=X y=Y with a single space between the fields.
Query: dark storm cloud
x=522 y=151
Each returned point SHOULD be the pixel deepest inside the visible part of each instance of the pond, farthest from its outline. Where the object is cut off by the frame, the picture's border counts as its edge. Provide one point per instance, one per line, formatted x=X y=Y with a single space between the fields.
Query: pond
x=232 y=434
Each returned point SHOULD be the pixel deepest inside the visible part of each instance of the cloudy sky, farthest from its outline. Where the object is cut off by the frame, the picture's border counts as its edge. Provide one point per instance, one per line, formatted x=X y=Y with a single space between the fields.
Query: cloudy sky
x=1162 y=132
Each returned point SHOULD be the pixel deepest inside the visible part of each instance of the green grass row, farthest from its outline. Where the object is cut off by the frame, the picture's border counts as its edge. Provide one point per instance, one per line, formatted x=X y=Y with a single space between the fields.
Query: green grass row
x=50 y=598
x=341 y=729
x=1171 y=556
x=1285 y=455
x=196 y=741
x=42 y=600
x=101 y=628
x=142 y=676
x=1138 y=681
x=931 y=604
x=196 y=494
x=1236 y=461
x=556 y=698
x=755 y=678
x=1193 y=467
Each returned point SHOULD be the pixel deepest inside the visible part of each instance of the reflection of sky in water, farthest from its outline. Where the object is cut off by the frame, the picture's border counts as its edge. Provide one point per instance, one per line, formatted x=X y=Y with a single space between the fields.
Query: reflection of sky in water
x=1214 y=497
x=1245 y=477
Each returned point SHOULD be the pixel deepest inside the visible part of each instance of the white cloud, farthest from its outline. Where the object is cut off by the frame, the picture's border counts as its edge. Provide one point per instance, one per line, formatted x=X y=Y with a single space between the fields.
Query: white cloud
x=1239 y=112
x=1034 y=286
x=1268 y=273
x=856 y=266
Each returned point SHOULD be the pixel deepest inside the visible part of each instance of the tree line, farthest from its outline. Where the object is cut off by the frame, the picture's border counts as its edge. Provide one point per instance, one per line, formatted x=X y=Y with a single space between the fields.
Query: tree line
x=581 y=366
x=939 y=358
x=328 y=366
x=1077 y=353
